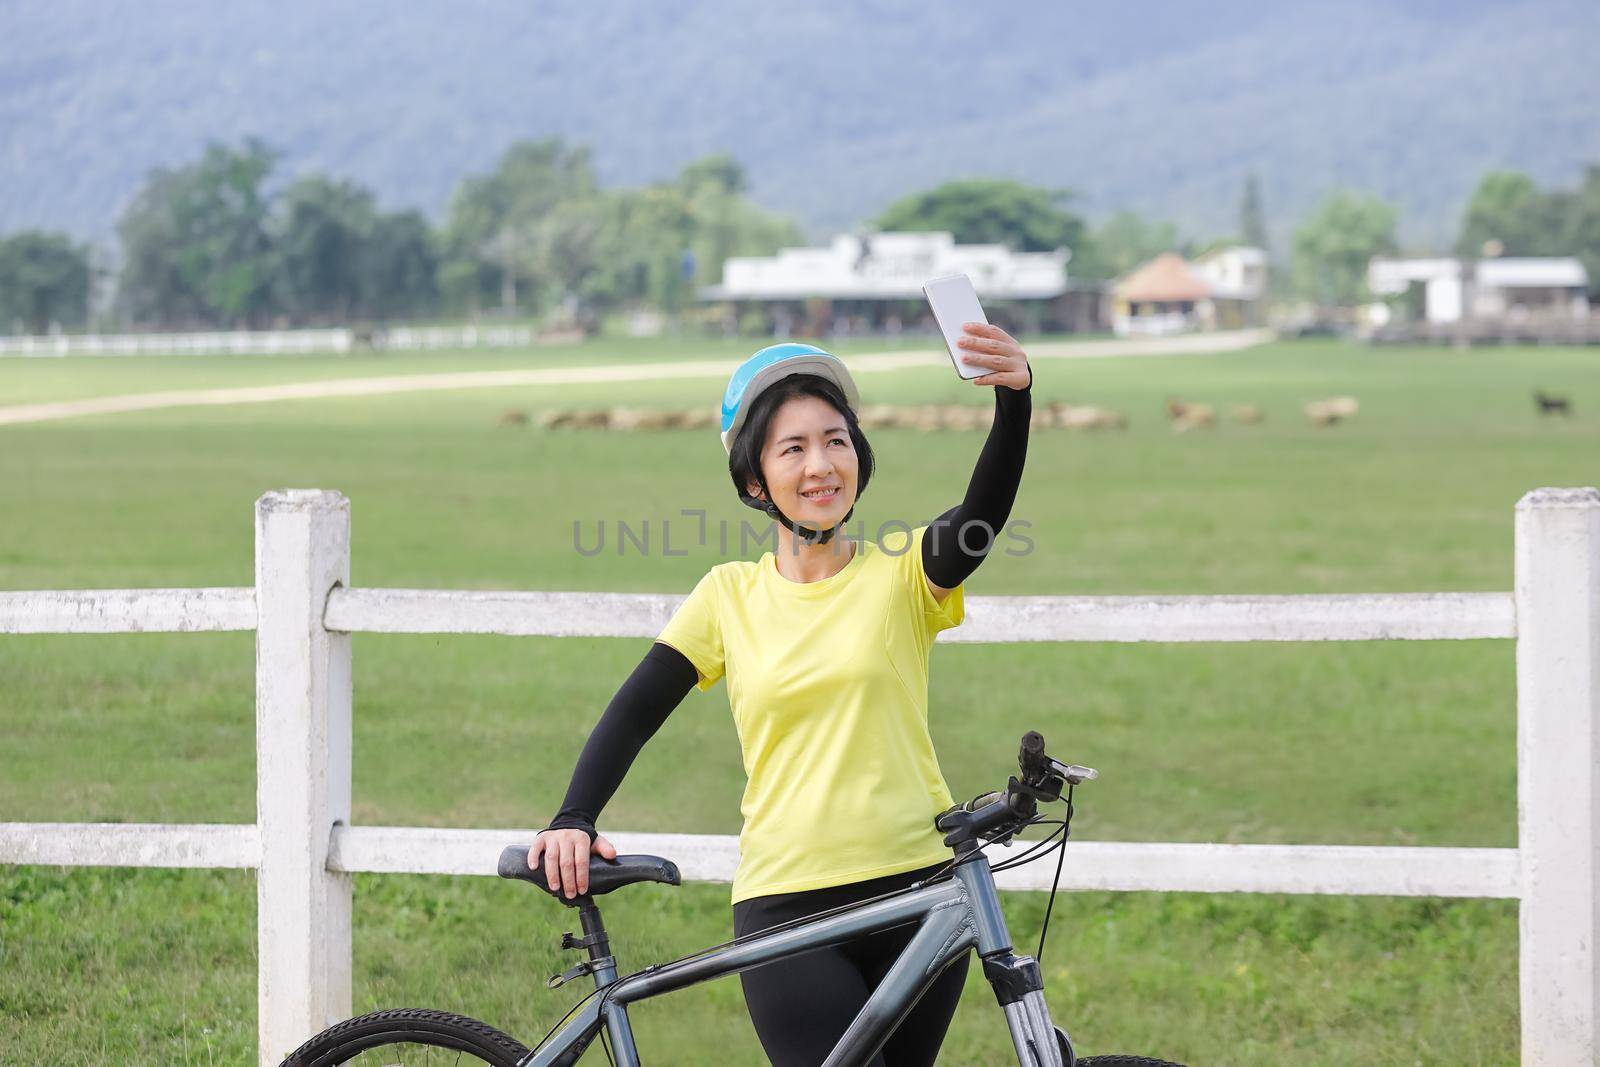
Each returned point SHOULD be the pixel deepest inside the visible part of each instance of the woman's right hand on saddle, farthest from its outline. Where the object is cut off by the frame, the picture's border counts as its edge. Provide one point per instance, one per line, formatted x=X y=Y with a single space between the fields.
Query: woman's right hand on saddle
x=564 y=855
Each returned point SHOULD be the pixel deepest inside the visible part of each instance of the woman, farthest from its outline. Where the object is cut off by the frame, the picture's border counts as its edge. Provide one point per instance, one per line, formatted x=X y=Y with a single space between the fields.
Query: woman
x=825 y=646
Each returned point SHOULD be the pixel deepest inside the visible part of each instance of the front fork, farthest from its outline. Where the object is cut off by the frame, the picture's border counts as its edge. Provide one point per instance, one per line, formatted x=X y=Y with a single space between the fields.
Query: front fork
x=1017 y=981
x=1020 y=989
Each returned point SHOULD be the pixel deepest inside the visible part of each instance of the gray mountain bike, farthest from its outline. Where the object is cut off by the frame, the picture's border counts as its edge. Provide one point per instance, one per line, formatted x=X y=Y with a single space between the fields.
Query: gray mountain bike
x=956 y=911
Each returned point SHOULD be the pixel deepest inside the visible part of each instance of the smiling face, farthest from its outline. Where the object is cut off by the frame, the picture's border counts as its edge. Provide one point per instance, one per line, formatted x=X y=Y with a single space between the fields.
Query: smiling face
x=810 y=462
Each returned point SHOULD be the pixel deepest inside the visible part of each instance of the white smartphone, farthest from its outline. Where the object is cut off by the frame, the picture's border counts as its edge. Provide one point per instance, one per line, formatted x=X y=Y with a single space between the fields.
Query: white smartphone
x=954 y=301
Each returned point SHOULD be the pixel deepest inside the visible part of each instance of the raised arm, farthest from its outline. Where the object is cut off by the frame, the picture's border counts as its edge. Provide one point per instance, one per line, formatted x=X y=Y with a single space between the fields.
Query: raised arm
x=947 y=556
x=657 y=685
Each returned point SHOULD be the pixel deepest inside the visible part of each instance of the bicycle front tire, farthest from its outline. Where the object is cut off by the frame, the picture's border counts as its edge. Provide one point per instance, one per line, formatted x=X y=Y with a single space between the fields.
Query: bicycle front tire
x=1123 y=1061
x=396 y=1029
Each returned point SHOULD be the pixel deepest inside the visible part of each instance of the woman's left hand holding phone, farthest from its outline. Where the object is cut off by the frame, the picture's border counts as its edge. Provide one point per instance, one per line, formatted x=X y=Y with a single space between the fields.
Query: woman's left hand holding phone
x=990 y=346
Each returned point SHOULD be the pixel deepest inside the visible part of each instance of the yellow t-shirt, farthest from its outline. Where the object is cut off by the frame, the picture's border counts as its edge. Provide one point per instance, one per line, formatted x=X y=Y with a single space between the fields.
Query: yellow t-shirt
x=828 y=683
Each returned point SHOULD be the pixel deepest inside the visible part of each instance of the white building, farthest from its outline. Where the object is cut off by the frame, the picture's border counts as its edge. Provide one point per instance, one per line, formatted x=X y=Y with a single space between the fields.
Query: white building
x=1237 y=273
x=1447 y=290
x=1224 y=289
x=874 y=280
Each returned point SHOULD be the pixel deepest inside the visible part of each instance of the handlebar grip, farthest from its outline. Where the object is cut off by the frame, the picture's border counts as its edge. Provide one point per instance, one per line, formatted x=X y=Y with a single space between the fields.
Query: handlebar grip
x=1030 y=756
x=983 y=801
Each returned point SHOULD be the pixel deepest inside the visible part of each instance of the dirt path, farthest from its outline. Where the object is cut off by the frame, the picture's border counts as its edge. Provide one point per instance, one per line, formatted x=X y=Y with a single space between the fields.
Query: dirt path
x=1190 y=344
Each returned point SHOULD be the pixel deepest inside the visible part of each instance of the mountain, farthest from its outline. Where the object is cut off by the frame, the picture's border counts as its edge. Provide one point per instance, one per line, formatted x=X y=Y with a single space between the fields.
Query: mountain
x=836 y=109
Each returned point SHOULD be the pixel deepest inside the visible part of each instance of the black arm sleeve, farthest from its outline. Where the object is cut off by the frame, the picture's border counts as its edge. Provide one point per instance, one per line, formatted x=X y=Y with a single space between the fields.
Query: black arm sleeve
x=947 y=556
x=657 y=685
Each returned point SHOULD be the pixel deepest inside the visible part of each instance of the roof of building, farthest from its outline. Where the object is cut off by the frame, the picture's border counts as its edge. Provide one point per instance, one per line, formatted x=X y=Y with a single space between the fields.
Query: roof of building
x=891 y=266
x=1386 y=275
x=1563 y=272
x=1166 y=278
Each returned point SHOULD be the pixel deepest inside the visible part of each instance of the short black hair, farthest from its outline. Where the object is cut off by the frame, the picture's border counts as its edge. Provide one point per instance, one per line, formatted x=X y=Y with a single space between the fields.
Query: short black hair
x=744 y=459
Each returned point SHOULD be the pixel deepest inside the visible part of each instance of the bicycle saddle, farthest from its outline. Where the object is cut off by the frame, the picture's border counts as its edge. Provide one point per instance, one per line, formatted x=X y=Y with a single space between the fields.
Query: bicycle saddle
x=604 y=875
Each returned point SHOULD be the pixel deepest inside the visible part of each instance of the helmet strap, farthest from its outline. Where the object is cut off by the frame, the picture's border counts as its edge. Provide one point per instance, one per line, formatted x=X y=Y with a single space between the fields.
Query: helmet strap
x=804 y=533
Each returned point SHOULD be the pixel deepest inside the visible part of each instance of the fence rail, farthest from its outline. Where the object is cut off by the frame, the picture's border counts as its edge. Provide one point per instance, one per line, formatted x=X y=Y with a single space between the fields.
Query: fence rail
x=990 y=619
x=120 y=611
x=1369 y=617
x=304 y=849
x=269 y=342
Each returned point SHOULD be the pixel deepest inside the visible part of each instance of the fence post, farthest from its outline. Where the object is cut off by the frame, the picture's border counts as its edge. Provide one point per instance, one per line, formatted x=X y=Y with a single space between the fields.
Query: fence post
x=1558 y=773
x=302 y=768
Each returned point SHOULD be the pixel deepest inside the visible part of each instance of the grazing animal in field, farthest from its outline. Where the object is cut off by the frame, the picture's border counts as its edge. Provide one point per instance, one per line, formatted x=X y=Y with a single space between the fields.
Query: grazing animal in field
x=701 y=418
x=641 y=419
x=1550 y=404
x=967 y=417
x=514 y=418
x=879 y=416
x=1176 y=408
x=1085 y=417
x=1332 y=411
x=1194 y=416
x=574 y=420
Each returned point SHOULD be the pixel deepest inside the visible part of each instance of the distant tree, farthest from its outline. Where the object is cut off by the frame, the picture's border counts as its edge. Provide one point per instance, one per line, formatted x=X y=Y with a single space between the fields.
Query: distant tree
x=721 y=173
x=1505 y=208
x=399 y=267
x=195 y=242
x=44 y=280
x=722 y=222
x=639 y=240
x=1252 y=224
x=538 y=230
x=1124 y=241
x=461 y=282
x=492 y=233
x=339 y=259
x=1333 y=247
x=1584 y=229
x=571 y=247
x=322 y=230
x=988 y=210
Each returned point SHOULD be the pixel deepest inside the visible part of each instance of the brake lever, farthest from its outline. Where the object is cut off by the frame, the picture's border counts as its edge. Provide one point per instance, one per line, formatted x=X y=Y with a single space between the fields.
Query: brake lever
x=1076 y=774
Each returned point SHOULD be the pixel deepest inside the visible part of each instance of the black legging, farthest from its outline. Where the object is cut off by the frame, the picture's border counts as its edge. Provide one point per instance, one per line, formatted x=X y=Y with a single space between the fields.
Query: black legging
x=802 y=1005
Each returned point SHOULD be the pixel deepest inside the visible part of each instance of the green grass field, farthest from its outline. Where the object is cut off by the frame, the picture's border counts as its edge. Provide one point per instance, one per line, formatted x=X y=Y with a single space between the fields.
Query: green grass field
x=1381 y=743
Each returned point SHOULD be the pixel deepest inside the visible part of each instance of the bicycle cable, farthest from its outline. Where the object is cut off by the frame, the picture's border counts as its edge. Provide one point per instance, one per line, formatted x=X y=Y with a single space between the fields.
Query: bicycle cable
x=551 y=1032
x=1066 y=832
x=1036 y=849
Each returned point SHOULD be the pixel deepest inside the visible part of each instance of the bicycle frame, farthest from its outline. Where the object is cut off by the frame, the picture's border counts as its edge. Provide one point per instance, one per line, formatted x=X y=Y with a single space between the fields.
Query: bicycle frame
x=953 y=916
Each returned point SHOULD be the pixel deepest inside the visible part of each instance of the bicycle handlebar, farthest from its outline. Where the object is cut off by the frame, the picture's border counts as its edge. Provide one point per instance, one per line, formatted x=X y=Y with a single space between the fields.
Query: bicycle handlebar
x=1037 y=765
x=997 y=815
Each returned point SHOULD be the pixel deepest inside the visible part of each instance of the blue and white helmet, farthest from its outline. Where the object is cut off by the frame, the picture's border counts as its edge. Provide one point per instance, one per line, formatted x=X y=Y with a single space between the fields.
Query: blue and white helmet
x=770 y=365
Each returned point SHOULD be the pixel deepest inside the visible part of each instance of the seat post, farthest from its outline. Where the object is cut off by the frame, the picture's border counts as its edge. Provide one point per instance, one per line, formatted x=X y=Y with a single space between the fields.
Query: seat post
x=594 y=941
x=594 y=930
x=602 y=966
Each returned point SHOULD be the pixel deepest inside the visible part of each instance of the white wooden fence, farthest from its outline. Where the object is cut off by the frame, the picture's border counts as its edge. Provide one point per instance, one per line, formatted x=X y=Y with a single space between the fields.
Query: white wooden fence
x=267 y=342
x=304 y=849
